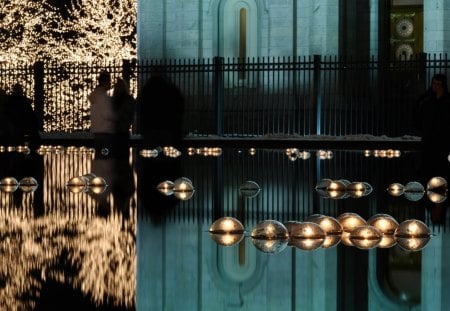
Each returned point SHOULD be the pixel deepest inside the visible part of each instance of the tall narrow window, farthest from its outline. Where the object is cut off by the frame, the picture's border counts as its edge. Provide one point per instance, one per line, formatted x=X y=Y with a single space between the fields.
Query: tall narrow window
x=242 y=41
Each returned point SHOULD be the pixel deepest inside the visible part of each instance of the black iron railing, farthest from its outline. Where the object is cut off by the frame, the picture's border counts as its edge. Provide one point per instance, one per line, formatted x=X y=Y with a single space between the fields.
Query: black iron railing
x=260 y=96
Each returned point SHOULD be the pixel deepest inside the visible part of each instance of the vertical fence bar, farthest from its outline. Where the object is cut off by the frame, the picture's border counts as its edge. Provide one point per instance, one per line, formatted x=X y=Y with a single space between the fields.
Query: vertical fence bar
x=315 y=98
x=218 y=93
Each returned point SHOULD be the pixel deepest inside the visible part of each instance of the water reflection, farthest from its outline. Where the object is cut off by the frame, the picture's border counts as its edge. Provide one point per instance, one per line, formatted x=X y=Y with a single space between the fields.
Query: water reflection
x=60 y=243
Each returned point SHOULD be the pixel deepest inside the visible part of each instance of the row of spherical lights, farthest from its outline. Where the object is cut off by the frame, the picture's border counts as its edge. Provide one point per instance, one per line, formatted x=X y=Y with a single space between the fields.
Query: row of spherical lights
x=182 y=188
x=26 y=184
x=389 y=153
x=436 y=190
x=87 y=183
x=342 y=188
x=320 y=231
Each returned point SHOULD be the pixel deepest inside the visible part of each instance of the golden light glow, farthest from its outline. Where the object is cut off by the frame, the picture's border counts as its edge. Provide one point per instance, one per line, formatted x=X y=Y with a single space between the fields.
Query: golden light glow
x=349 y=221
x=383 y=222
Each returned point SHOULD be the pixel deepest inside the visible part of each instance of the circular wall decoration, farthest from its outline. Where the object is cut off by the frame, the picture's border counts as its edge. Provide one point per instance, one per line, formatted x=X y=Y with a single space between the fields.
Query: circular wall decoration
x=404 y=27
x=404 y=51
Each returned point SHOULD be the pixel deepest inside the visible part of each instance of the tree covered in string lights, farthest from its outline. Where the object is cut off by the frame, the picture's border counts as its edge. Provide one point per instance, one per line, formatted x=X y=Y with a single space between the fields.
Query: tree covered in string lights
x=64 y=30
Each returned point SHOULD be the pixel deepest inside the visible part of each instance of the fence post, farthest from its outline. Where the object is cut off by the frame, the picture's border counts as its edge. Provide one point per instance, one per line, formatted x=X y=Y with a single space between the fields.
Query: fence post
x=316 y=101
x=422 y=73
x=218 y=93
x=38 y=70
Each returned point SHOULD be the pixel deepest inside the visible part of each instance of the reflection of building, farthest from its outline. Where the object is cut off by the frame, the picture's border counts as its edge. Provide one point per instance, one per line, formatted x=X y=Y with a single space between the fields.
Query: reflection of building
x=189 y=270
x=249 y=28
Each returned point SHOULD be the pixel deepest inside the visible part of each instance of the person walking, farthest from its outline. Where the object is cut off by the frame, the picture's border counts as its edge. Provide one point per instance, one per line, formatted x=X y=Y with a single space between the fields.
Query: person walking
x=102 y=117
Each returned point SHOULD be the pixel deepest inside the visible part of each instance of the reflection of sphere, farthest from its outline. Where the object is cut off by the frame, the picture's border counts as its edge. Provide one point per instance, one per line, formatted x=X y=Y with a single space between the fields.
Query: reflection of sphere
x=333 y=189
x=332 y=240
x=413 y=244
x=395 y=189
x=270 y=246
x=9 y=184
x=28 y=184
x=307 y=236
x=227 y=231
x=350 y=221
x=252 y=151
x=387 y=241
x=165 y=187
x=365 y=237
x=269 y=230
x=413 y=191
x=305 y=155
x=249 y=189
x=367 y=153
x=383 y=222
x=183 y=188
x=412 y=234
x=76 y=184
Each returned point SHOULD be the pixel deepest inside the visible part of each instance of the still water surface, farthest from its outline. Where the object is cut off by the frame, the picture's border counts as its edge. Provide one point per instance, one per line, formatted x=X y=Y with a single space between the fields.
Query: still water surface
x=127 y=246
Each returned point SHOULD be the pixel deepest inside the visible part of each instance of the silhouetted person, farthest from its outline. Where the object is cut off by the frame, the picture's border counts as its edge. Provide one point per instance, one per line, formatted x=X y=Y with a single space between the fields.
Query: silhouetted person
x=432 y=119
x=124 y=107
x=162 y=107
x=24 y=120
x=103 y=117
x=433 y=124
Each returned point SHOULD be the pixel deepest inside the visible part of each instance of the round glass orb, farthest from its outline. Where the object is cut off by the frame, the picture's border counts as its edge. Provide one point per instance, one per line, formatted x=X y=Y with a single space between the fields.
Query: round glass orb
x=292 y=152
x=252 y=151
x=191 y=151
x=305 y=155
x=96 y=185
x=412 y=235
x=369 y=188
x=307 y=236
x=270 y=246
x=437 y=189
x=322 y=186
x=367 y=153
x=412 y=228
x=390 y=153
x=336 y=190
x=413 y=191
x=350 y=221
x=76 y=184
x=270 y=230
x=10 y=148
x=104 y=151
x=88 y=177
x=290 y=225
x=397 y=153
x=376 y=153
x=165 y=187
x=329 y=225
x=387 y=241
x=366 y=237
x=2 y=149
x=226 y=225
x=356 y=189
x=396 y=189
x=322 y=154
x=383 y=222
x=9 y=184
x=346 y=182
x=330 y=155
x=28 y=184
x=227 y=231
x=183 y=188
x=382 y=153
x=249 y=189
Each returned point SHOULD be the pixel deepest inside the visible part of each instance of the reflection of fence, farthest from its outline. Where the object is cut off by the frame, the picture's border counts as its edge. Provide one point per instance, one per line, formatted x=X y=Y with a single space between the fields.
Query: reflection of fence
x=301 y=96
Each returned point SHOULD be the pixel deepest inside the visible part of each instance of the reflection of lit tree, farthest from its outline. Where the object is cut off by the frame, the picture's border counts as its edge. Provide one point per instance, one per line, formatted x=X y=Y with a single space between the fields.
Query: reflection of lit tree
x=102 y=252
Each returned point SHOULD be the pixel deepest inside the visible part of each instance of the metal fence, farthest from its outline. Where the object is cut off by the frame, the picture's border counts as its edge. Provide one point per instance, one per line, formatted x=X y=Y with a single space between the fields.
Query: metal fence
x=248 y=97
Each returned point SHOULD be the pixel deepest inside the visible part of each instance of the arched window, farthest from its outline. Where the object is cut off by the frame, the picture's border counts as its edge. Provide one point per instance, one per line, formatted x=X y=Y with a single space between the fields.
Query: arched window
x=238 y=29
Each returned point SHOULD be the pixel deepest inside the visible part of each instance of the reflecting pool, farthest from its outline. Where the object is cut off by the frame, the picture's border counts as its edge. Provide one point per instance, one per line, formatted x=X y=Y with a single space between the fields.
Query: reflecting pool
x=221 y=229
